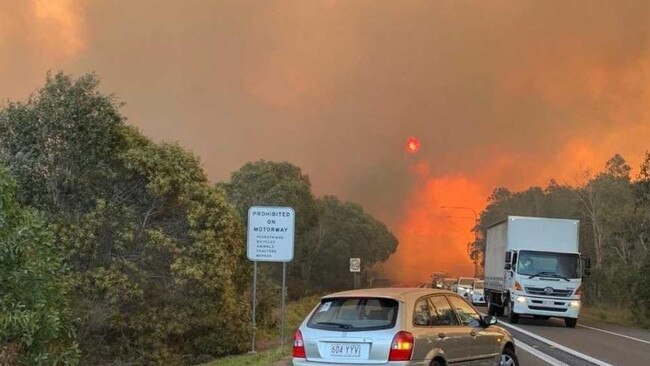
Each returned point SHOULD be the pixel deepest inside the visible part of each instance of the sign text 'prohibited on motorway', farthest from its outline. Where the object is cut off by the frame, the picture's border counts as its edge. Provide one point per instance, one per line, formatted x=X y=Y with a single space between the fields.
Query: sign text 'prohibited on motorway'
x=270 y=233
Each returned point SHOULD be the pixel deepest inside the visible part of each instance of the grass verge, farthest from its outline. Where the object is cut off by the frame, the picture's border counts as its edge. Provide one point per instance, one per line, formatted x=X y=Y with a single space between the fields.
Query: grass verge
x=611 y=315
x=269 y=349
x=263 y=358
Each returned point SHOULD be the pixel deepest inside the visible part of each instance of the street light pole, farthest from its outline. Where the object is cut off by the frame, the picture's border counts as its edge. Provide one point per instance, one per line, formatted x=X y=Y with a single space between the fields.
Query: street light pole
x=475 y=224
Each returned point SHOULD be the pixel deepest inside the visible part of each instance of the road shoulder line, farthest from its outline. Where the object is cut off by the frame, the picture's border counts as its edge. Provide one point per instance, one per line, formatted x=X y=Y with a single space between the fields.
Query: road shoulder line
x=616 y=334
x=558 y=346
x=539 y=354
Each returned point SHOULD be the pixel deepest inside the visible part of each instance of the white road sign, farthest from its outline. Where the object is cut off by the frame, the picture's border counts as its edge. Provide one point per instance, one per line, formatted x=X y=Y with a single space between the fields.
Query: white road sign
x=355 y=264
x=270 y=233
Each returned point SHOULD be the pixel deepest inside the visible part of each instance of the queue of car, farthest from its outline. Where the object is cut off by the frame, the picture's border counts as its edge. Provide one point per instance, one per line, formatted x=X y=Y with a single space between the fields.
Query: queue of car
x=400 y=326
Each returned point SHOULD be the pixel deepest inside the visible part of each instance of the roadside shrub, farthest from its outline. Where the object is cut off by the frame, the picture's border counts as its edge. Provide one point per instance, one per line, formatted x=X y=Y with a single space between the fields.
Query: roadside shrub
x=36 y=327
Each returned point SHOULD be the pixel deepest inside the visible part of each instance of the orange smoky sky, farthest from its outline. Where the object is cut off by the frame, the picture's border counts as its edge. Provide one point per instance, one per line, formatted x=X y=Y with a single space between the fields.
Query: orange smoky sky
x=500 y=93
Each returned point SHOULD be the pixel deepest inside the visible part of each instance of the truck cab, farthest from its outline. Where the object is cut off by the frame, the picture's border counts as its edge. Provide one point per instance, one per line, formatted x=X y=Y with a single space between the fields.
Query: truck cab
x=533 y=267
x=543 y=284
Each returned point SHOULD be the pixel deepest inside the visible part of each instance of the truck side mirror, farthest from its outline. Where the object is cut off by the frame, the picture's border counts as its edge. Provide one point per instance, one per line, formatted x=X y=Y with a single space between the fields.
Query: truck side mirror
x=508 y=267
x=586 y=263
x=508 y=257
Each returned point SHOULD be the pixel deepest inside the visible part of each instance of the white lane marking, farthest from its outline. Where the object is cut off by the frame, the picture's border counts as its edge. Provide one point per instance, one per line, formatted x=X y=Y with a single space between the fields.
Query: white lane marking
x=558 y=346
x=616 y=334
x=537 y=353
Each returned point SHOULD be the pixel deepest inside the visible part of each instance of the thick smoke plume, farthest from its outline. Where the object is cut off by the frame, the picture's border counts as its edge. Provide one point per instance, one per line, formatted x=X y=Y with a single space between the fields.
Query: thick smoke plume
x=501 y=93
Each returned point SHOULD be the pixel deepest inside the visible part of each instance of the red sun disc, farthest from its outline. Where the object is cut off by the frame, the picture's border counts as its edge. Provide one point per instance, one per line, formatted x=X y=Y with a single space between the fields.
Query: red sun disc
x=412 y=145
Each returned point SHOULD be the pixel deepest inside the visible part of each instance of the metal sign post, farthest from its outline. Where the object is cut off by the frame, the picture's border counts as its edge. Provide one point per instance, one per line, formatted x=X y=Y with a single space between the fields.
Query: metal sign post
x=270 y=239
x=284 y=280
x=355 y=268
x=254 y=304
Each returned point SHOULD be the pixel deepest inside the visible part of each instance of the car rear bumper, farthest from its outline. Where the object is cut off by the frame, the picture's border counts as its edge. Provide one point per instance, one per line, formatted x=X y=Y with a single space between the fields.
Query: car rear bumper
x=478 y=299
x=304 y=362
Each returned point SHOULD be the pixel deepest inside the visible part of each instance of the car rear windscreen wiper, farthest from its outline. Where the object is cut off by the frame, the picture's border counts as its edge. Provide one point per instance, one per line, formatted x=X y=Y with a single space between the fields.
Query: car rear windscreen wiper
x=342 y=325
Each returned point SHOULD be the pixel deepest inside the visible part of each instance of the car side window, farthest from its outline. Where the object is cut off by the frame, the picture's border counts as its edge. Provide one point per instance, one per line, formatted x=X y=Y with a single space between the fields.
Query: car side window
x=442 y=313
x=422 y=313
x=466 y=313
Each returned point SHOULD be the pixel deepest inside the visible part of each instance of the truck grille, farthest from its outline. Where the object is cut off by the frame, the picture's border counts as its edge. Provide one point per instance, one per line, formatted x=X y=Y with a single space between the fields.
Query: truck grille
x=542 y=292
x=547 y=308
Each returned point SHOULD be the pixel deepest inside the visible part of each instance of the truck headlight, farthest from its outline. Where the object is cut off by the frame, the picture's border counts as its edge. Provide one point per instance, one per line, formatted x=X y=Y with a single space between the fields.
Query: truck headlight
x=521 y=299
x=574 y=304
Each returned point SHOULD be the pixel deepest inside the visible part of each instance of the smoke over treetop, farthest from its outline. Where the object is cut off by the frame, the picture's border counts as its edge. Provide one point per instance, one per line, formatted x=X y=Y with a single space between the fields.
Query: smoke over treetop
x=501 y=93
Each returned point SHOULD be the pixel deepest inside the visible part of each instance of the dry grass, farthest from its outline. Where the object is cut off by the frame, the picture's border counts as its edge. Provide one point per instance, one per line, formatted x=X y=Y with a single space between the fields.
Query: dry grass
x=612 y=315
x=268 y=343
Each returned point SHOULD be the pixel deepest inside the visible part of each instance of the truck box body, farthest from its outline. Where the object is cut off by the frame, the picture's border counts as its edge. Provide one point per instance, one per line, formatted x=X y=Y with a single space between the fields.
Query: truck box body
x=529 y=233
x=533 y=267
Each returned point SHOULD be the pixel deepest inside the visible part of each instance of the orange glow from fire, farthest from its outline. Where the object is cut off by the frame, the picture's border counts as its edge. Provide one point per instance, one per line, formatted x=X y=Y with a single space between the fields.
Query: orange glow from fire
x=62 y=25
x=432 y=238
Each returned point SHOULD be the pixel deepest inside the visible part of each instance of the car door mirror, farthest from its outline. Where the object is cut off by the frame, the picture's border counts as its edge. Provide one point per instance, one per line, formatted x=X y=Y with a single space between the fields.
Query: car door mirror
x=489 y=320
x=507 y=266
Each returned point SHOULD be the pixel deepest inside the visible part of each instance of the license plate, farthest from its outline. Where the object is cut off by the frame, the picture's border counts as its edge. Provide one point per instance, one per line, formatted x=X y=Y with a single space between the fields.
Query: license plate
x=345 y=350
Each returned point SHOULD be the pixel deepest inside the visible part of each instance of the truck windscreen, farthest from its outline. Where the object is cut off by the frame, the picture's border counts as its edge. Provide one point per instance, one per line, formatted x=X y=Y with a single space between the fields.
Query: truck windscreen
x=546 y=263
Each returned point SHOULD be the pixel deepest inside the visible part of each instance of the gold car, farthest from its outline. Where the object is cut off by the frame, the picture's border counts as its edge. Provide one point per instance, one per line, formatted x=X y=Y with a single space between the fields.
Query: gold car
x=400 y=326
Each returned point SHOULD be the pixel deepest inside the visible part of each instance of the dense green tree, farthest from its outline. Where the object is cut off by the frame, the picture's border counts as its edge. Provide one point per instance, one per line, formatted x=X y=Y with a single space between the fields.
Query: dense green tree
x=344 y=231
x=156 y=252
x=268 y=183
x=36 y=327
x=62 y=144
x=328 y=232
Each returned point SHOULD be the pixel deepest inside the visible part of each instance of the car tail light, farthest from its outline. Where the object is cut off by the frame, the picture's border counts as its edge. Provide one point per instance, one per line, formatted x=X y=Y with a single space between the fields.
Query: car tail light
x=402 y=347
x=517 y=286
x=298 y=345
x=579 y=291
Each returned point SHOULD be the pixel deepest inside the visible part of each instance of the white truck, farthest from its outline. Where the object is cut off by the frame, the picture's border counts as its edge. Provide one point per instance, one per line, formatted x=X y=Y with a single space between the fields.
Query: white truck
x=533 y=267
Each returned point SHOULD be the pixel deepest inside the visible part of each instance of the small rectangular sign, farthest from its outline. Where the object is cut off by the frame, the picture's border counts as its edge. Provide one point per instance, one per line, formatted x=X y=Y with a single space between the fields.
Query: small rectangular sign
x=355 y=264
x=270 y=233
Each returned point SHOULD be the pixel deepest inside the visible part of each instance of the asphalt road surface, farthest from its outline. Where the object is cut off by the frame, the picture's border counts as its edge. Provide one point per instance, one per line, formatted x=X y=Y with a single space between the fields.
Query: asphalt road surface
x=549 y=342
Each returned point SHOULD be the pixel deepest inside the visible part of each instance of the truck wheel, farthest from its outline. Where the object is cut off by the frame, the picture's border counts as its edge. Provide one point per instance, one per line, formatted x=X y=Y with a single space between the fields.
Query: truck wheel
x=500 y=311
x=491 y=309
x=512 y=316
x=570 y=322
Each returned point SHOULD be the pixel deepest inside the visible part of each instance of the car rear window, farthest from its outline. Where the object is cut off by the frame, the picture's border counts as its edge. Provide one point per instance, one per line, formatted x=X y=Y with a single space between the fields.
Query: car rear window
x=354 y=314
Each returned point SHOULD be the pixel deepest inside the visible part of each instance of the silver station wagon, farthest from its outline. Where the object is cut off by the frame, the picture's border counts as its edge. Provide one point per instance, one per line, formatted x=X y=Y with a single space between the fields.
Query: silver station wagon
x=400 y=326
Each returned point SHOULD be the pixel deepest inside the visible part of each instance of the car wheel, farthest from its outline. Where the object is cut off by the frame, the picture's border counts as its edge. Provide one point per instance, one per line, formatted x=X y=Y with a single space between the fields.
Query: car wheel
x=570 y=322
x=437 y=363
x=509 y=358
x=512 y=316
